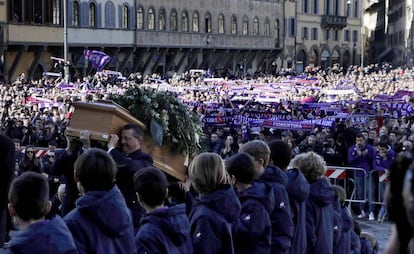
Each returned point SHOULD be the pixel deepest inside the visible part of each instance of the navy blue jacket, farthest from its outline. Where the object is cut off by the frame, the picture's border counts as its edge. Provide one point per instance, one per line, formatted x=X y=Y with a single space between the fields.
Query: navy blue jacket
x=355 y=243
x=320 y=215
x=211 y=220
x=253 y=230
x=281 y=216
x=102 y=223
x=344 y=244
x=165 y=230
x=298 y=190
x=127 y=166
x=47 y=236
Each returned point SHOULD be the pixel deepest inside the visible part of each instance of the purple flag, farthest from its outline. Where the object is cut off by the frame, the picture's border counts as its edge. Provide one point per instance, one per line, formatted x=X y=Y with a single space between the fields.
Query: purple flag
x=97 y=58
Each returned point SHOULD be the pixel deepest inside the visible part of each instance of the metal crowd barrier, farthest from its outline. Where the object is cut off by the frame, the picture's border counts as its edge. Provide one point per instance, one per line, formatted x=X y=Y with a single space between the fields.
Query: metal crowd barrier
x=380 y=179
x=343 y=176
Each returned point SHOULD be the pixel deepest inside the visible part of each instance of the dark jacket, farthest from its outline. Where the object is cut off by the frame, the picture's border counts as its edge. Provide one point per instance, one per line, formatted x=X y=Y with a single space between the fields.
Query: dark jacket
x=281 y=216
x=127 y=166
x=253 y=230
x=47 y=236
x=165 y=230
x=298 y=190
x=355 y=243
x=320 y=217
x=7 y=169
x=211 y=220
x=366 y=246
x=64 y=165
x=344 y=245
x=101 y=223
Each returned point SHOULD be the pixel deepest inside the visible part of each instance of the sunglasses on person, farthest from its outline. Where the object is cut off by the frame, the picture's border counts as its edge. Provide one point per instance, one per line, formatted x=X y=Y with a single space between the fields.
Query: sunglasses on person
x=29 y=151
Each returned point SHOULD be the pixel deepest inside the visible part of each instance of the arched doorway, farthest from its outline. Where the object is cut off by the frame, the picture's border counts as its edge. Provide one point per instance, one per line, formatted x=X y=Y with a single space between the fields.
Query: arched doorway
x=313 y=58
x=335 y=57
x=346 y=58
x=301 y=61
x=324 y=59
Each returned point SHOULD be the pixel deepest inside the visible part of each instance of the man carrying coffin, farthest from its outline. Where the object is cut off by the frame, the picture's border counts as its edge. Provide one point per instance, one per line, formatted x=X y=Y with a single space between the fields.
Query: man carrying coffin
x=129 y=159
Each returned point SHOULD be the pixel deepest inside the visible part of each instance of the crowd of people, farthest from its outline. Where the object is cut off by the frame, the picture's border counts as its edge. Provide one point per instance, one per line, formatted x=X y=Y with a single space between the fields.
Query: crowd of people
x=257 y=185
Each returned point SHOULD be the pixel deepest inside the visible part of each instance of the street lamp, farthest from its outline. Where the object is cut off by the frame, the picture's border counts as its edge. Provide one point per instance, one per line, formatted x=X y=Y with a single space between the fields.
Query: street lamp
x=65 y=41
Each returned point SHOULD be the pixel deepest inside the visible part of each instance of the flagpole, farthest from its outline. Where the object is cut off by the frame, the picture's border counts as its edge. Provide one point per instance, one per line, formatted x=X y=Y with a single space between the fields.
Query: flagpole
x=65 y=42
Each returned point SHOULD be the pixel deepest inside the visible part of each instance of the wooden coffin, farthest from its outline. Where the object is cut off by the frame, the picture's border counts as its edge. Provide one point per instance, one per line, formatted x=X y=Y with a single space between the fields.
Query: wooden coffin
x=105 y=118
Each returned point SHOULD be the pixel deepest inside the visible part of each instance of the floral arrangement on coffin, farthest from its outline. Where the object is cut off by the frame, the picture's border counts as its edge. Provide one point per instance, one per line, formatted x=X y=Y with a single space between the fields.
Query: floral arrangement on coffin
x=170 y=120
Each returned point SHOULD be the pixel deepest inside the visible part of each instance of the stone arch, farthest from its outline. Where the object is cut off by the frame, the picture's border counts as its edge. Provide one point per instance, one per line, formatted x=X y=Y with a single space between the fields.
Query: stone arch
x=336 y=55
x=325 y=58
x=346 y=59
x=301 y=60
x=313 y=56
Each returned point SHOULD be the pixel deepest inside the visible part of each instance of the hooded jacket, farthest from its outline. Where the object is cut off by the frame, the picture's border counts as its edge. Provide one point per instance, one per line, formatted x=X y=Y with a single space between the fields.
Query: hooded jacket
x=127 y=166
x=320 y=217
x=47 y=236
x=253 y=229
x=281 y=216
x=165 y=230
x=298 y=190
x=102 y=223
x=211 y=219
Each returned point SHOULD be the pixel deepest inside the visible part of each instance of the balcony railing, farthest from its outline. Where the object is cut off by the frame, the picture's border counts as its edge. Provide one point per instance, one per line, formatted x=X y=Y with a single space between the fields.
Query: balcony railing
x=335 y=22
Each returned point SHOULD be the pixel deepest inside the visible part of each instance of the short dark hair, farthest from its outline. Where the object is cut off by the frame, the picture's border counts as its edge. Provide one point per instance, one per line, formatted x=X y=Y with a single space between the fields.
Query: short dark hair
x=138 y=131
x=29 y=194
x=241 y=166
x=52 y=143
x=96 y=170
x=280 y=153
x=151 y=184
x=359 y=135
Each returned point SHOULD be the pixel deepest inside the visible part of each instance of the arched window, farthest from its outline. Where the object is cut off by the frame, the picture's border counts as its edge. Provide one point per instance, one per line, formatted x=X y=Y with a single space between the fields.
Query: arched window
x=140 y=18
x=245 y=26
x=162 y=20
x=256 y=26
x=184 y=21
x=75 y=14
x=267 y=27
x=109 y=15
x=92 y=15
x=151 y=19
x=207 y=20
x=125 y=17
x=195 y=22
x=56 y=12
x=173 y=20
x=234 y=24
x=221 y=24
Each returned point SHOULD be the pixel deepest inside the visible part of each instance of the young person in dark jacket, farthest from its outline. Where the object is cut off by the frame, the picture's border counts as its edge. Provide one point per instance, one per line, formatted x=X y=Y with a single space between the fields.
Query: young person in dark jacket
x=344 y=243
x=253 y=230
x=216 y=208
x=320 y=211
x=101 y=221
x=298 y=191
x=281 y=216
x=7 y=172
x=129 y=159
x=163 y=229
x=29 y=203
